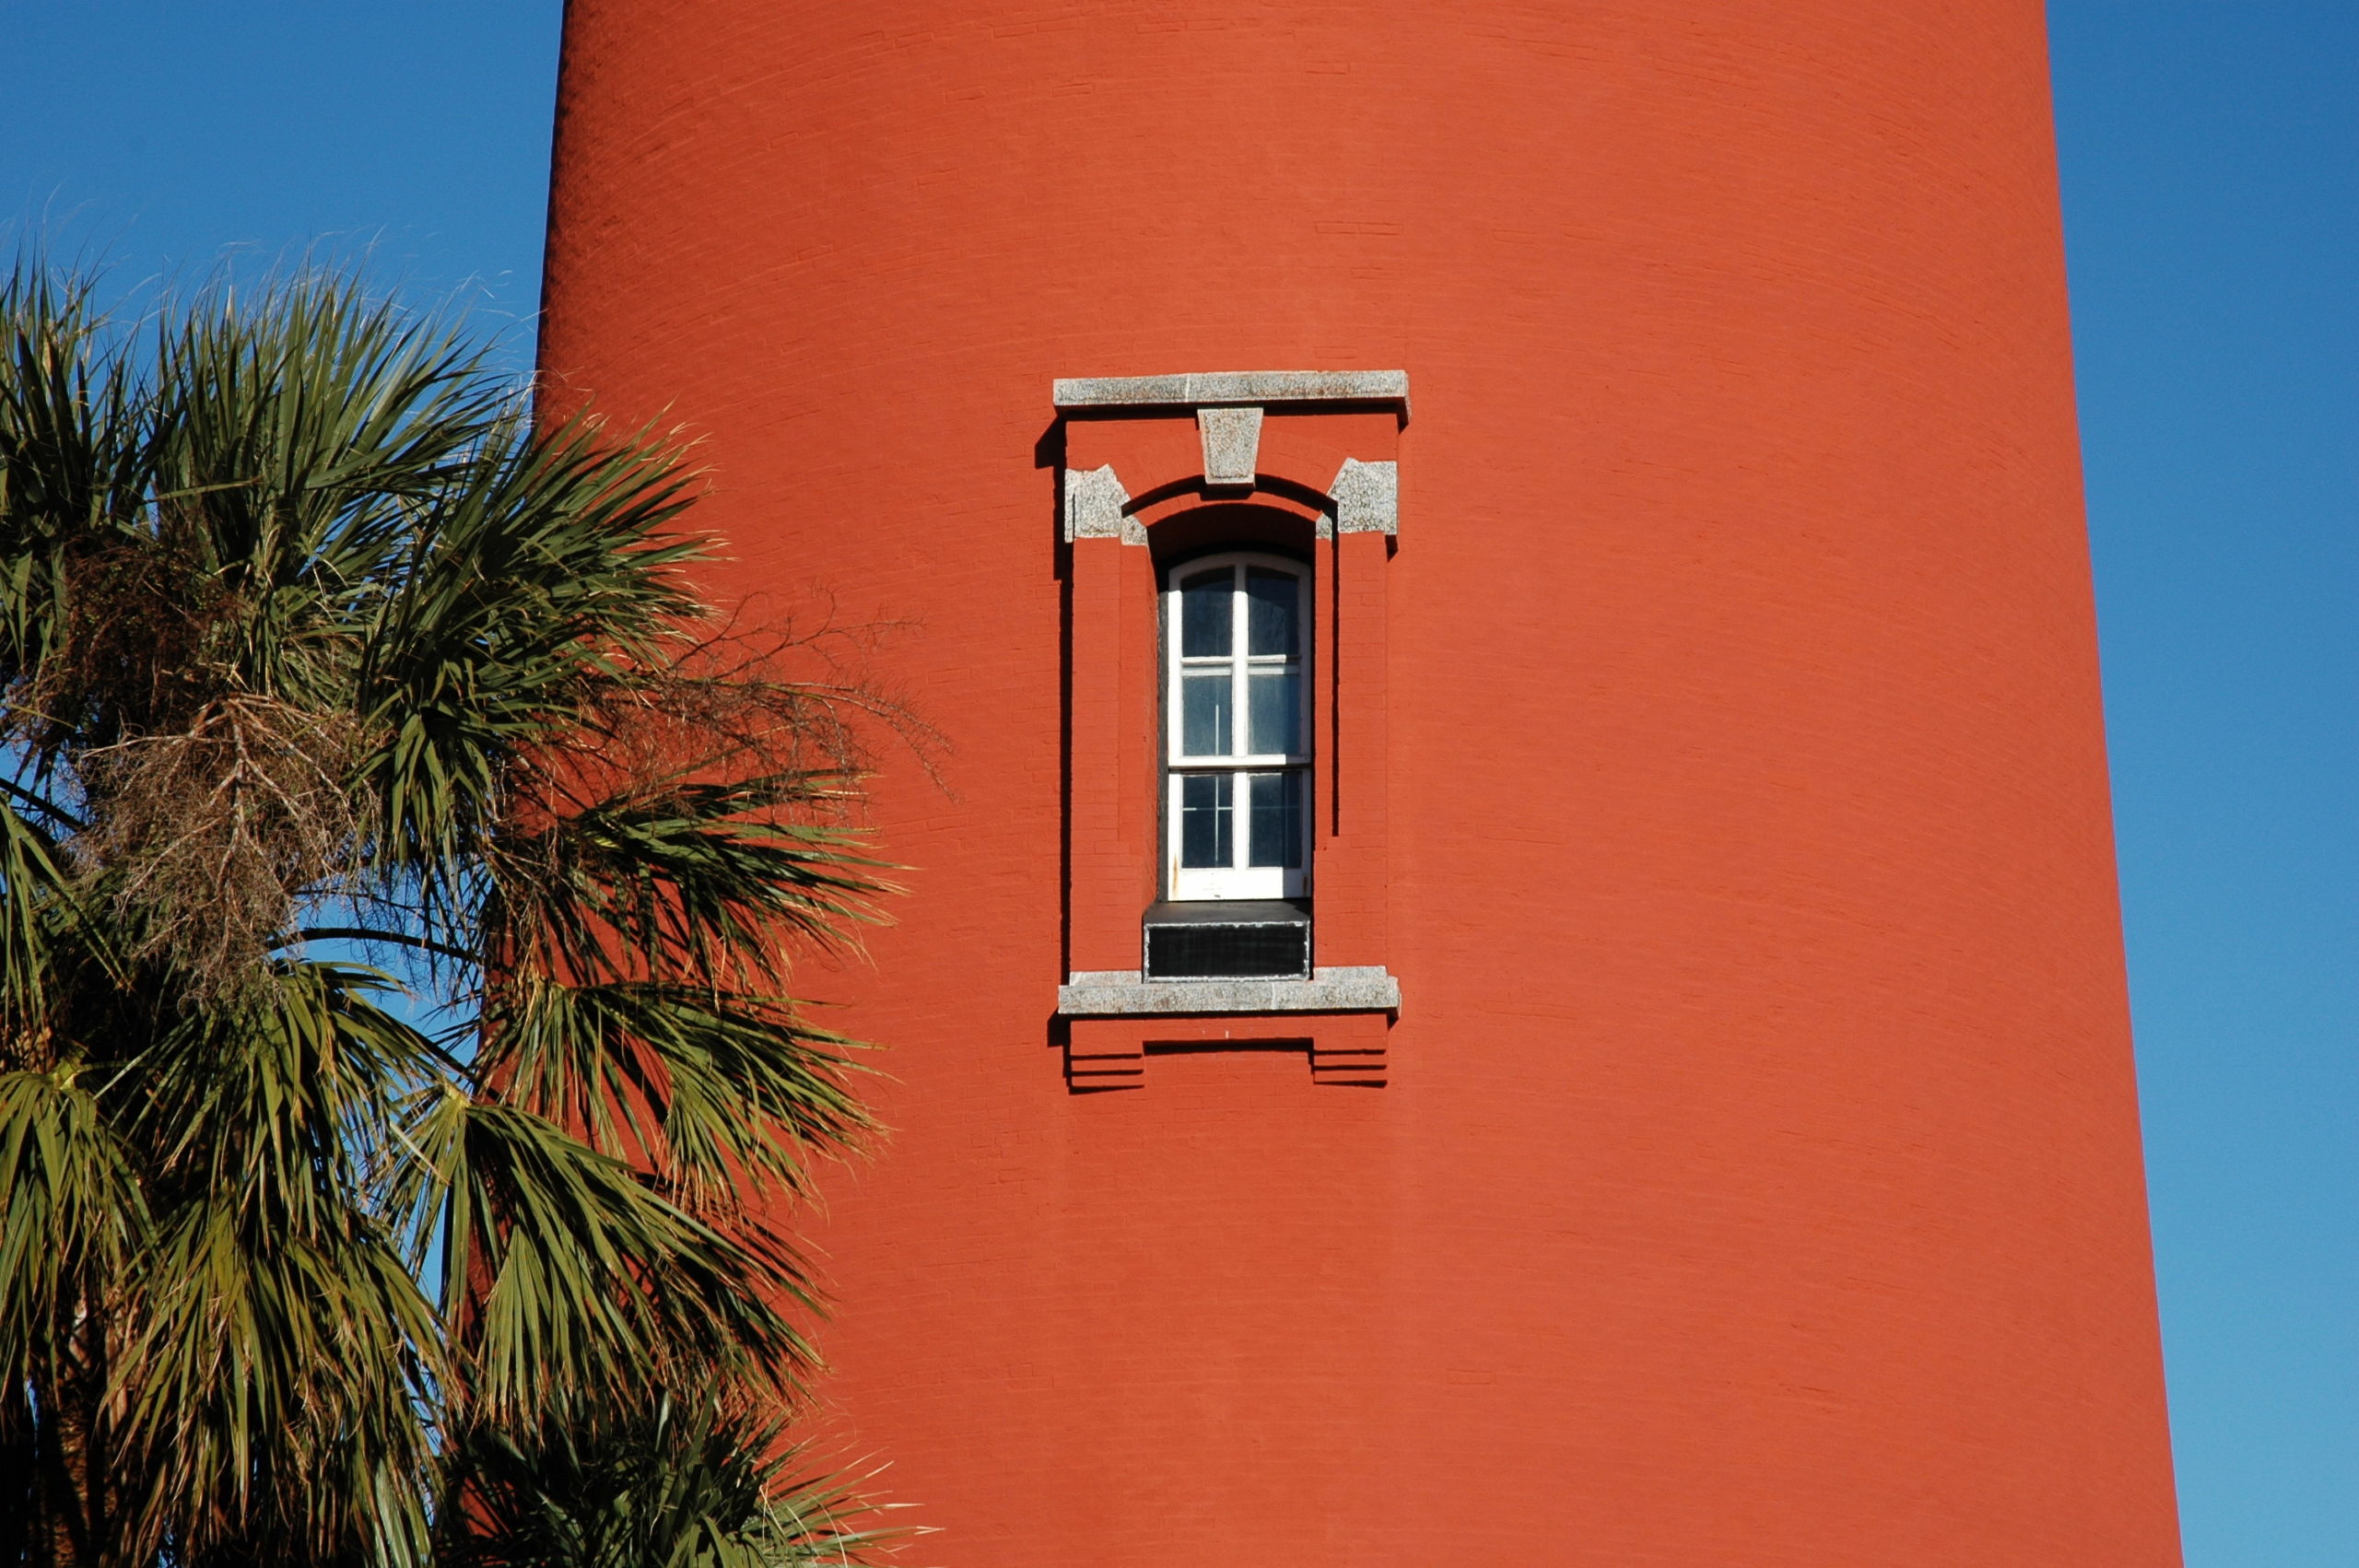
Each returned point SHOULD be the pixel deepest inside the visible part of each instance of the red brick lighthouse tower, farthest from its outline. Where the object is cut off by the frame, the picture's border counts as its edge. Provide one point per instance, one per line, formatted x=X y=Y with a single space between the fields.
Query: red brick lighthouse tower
x=1518 y=964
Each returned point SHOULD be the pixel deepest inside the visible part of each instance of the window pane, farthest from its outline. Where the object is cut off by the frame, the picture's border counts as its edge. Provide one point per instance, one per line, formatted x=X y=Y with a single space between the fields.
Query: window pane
x=1206 y=604
x=1205 y=820
x=1269 y=611
x=1274 y=718
x=1203 y=713
x=1276 y=811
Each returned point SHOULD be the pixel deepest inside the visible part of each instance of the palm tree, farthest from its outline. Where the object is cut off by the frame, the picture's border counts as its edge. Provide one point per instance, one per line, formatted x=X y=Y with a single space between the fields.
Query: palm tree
x=330 y=682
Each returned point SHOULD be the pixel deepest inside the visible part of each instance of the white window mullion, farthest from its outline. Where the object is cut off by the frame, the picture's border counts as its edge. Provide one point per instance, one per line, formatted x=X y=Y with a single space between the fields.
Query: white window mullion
x=1241 y=630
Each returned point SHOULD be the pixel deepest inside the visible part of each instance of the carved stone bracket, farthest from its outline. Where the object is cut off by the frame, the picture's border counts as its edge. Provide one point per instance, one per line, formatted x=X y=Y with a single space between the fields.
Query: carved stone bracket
x=1367 y=496
x=1094 y=500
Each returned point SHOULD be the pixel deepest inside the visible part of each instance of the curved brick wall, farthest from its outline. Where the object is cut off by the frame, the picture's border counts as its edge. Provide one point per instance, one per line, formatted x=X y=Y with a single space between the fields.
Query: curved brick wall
x=1755 y=1175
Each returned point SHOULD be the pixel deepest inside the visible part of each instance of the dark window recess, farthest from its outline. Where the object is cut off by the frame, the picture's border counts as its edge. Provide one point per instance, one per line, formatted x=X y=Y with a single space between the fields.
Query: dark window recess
x=1196 y=942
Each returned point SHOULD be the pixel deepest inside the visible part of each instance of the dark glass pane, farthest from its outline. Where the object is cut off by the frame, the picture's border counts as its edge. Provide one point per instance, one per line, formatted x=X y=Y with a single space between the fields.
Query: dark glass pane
x=1273 y=716
x=1203 y=713
x=1205 y=820
x=1276 y=816
x=1270 y=613
x=1206 y=604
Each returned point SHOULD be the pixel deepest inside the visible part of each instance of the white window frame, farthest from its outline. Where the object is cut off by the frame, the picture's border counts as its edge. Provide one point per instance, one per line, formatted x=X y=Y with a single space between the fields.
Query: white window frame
x=1236 y=880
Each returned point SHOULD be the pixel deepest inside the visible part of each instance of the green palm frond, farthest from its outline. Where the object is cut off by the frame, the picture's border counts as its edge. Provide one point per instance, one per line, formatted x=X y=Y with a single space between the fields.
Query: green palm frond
x=684 y=878
x=579 y=1277
x=38 y=903
x=702 y=1087
x=75 y=454
x=662 y=1483
x=72 y=1210
x=270 y=1372
x=313 y=644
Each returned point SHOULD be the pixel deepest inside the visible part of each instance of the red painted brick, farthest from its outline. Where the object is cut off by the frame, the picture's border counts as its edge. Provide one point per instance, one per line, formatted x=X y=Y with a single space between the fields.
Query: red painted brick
x=1755 y=1178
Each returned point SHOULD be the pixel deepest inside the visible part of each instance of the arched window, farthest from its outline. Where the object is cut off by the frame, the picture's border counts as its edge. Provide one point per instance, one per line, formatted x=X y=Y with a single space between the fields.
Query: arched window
x=1236 y=727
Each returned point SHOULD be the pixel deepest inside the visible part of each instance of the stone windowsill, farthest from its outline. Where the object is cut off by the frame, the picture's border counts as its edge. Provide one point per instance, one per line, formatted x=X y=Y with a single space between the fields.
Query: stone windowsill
x=1119 y=993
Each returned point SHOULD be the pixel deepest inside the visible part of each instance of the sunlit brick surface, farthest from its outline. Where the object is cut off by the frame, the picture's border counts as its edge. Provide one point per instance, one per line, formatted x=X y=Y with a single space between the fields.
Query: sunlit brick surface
x=1754 y=1175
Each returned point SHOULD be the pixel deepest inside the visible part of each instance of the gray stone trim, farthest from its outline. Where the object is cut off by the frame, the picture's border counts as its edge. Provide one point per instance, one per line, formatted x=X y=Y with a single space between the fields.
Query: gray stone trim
x=1232 y=441
x=1234 y=386
x=1094 y=503
x=1366 y=495
x=1368 y=498
x=1125 y=993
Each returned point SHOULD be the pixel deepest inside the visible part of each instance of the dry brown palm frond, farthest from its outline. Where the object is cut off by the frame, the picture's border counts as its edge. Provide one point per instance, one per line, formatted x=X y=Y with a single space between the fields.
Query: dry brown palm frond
x=741 y=697
x=213 y=834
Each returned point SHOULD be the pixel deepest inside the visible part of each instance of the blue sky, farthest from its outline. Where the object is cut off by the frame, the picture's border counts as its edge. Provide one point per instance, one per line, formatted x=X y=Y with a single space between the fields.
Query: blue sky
x=2211 y=166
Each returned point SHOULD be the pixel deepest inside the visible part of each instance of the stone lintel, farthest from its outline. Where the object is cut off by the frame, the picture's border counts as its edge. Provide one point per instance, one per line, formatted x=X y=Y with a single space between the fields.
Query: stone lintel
x=1261 y=387
x=1121 y=993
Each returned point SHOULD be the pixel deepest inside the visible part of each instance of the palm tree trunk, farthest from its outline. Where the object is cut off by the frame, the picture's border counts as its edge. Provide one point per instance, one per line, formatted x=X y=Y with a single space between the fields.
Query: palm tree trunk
x=73 y=1476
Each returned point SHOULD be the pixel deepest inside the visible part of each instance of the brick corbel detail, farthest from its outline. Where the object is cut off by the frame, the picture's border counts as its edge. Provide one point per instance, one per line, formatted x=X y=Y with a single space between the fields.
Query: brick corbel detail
x=1346 y=1050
